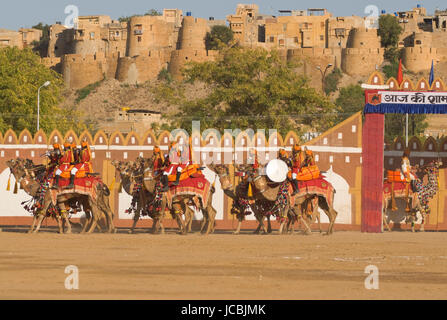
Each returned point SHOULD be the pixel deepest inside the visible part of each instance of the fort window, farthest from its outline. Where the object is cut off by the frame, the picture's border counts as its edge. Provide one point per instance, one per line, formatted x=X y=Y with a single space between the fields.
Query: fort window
x=418 y=42
x=272 y=39
x=321 y=38
x=139 y=39
x=92 y=35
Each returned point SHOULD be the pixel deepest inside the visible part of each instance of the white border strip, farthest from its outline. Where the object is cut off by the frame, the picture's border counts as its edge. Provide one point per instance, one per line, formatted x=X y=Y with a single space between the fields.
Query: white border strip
x=420 y=154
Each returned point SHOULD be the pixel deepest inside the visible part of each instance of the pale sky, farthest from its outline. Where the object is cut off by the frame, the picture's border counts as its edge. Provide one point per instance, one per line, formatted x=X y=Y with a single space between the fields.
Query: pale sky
x=25 y=13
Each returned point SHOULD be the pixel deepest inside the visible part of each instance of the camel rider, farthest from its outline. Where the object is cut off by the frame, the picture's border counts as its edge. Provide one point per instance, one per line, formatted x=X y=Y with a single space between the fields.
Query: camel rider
x=159 y=160
x=66 y=163
x=82 y=163
x=285 y=157
x=174 y=166
x=54 y=158
x=309 y=159
x=406 y=174
x=297 y=162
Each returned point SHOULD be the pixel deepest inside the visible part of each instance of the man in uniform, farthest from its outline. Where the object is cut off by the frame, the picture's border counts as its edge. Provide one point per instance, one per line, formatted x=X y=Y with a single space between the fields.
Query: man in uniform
x=66 y=163
x=297 y=161
x=406 y=173
x=54 y=158
x=82 y=164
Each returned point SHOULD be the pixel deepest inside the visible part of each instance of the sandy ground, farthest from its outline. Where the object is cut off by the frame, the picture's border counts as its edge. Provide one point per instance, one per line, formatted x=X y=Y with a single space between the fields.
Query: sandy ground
x=223 y=266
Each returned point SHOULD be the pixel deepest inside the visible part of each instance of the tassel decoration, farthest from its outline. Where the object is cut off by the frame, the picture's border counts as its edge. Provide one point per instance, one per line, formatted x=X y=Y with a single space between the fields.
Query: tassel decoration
x=112 y=184
x=15 y=187
x=250 y=191
x=8 y=187
x=120 y=187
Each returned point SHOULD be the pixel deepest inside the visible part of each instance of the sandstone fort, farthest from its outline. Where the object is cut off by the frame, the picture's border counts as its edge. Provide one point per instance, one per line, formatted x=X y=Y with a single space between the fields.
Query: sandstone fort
x=136 y=51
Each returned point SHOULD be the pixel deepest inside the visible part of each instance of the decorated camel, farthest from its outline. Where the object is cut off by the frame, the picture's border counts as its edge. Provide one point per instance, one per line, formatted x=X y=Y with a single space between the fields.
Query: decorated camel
x=416 y=196
x=57 y=203
x=131 y=175
x=140 y=180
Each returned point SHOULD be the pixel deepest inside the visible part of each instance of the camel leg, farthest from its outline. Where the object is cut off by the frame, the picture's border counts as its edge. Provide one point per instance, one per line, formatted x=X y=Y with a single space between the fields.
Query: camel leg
x=35 y=218
x=211 y=213
x=332 y=214
x=65 y=218
x=59 y=224
x=39 y=222
x=95 y=215
x=239 y=224
x=88 y=217
x=422 y=228
x=269 y=225
x=104 y=207
x=136 y=217
x=306 y=226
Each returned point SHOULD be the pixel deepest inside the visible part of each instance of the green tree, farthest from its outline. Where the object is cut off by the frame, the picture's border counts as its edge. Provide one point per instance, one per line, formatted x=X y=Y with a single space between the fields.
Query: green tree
x=389 y=30
x=153 y=12
x=350 y=100
x=331 y=81
x=21 y=74
x=41 y=46
x=395 y=125
x=253 y=88
x=219 y=35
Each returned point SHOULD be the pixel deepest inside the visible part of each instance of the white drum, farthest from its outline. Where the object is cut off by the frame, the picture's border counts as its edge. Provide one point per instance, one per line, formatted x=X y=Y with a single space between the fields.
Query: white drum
x=277 y=170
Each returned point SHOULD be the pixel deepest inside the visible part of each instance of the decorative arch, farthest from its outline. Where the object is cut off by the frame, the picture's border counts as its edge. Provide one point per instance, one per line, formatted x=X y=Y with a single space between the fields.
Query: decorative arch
x=291 y=139
x=415 y=144
x=71 y=135
x=430 y=145
x=117 y=139
x=438 y=85
x=149 y=138
x=55 y=137
x=132 y=139
x=10 y=137
x=25 y=137
x=422 y=85
x=100 y=138
x=276 y=140
x=87 y=136
x=399 y=144
x=407 y=85
x=40 y=137
x=392 y=82
x=164 y=138
x=443 y=145
x=376 y=78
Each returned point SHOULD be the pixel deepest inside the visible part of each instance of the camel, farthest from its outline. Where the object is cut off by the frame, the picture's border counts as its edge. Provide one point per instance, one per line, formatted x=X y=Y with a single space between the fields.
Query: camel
x=180 y=205
x=21 y=170
x=417 y=200
x=270 y=193
x=239 y=197
x=140 y=173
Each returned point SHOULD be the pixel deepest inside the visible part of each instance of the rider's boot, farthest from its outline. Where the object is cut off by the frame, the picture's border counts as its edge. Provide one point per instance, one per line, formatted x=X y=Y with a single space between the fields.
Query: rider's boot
x=55 y=182
x=177 y=179
x=71 y=184
x=165 y=182
x=296 y=189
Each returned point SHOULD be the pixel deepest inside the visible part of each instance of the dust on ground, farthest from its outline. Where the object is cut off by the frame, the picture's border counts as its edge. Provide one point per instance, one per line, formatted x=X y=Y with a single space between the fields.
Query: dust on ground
x=223 y=266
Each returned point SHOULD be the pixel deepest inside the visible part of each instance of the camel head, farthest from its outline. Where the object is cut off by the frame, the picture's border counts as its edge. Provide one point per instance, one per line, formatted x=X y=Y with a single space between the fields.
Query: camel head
x=224 y=175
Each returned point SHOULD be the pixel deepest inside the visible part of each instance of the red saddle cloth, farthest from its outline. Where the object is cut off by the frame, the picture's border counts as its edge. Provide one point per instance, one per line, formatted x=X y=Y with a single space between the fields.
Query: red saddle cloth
x=317 y=186
x=86 y=185
x=399 y=190
x=194 y=186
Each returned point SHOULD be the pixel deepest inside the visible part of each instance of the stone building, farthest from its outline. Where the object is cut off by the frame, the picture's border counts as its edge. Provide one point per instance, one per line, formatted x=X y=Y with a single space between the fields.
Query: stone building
x=21 y=39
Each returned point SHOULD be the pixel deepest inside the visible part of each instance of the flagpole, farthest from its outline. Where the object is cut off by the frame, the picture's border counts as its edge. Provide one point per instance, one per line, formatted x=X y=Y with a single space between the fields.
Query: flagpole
x=406 y=130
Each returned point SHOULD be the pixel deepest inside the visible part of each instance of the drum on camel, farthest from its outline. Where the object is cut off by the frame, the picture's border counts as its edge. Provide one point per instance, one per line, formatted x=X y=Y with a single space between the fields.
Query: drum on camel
x=277 y=170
